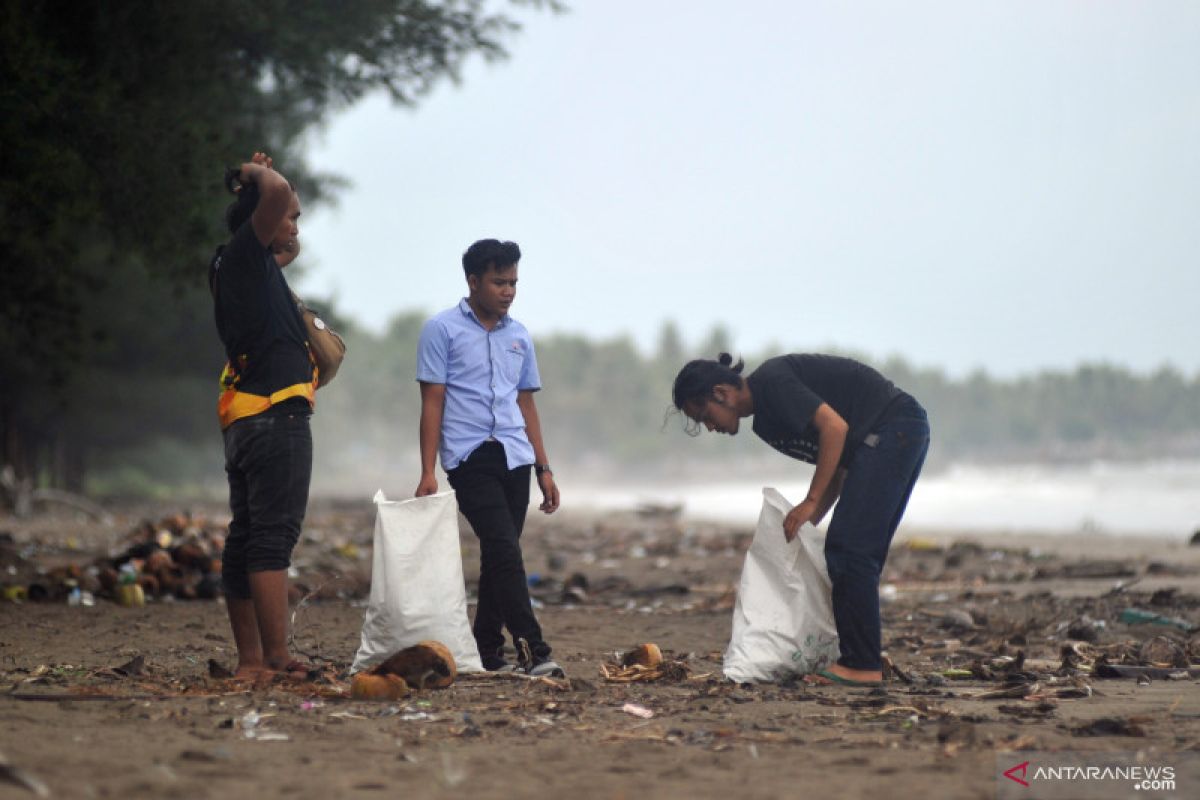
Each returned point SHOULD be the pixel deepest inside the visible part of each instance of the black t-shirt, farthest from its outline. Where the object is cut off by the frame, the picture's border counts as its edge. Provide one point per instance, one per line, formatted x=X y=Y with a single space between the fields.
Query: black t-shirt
x=257 y=317
x=788 y=389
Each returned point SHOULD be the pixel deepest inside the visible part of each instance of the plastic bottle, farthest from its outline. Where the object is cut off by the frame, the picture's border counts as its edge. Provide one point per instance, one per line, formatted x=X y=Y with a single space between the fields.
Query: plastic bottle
x=1133 y=616
x=129 y=594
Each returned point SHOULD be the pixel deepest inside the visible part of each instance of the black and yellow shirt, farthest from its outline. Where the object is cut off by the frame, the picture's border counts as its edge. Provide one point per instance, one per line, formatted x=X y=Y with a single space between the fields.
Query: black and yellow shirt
x=262 y=331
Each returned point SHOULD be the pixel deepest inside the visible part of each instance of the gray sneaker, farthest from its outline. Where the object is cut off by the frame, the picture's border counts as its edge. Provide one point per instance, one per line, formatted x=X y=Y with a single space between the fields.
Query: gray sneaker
x=546 y=669
x=536 y=668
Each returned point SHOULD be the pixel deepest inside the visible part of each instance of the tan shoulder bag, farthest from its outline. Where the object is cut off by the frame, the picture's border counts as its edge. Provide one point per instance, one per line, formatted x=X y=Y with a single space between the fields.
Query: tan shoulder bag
x=327 y=348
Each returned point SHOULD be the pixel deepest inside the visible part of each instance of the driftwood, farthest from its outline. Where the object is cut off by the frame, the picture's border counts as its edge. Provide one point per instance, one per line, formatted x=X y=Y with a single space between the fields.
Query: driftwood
x=74 y=501
x=22 y=497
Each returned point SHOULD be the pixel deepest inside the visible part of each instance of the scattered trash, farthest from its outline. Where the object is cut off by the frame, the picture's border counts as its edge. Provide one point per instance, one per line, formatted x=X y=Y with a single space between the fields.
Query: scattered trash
x=218 y=670
x=1086 y=629
x=644 y=655
x=453 y=773
x=1087 y=570
x=132 y=668
x=1137 y=616
x=1111 y=726
x=637 y=711
x=1019 y=690
x=890 y=670
x=425 y=665
x=13 y=774
x=646 y=663
x=957 y=620
x=129 y=593
x=370 y=686
x=1139 y=672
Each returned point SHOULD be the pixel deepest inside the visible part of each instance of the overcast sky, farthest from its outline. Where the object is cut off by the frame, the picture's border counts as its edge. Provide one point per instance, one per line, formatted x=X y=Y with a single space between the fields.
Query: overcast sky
x=1009 y=186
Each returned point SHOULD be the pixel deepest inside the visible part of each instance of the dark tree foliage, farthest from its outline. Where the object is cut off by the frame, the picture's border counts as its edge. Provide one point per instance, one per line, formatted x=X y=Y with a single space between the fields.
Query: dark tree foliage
x=115 y=121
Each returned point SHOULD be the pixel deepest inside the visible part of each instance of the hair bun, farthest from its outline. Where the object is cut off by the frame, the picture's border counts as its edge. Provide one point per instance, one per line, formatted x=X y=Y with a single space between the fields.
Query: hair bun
x=726 y=360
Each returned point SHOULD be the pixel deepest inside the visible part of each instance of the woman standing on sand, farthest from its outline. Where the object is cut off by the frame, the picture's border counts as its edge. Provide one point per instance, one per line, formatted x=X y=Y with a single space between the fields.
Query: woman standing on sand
x=868 y=440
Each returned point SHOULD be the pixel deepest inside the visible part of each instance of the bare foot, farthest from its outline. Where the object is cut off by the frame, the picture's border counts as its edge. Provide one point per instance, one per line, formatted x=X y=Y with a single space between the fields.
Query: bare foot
x=250 y=672
x=290 y=670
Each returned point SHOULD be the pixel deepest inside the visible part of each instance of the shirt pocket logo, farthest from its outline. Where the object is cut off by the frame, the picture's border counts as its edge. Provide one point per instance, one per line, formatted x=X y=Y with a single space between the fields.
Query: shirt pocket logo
x=512 y=362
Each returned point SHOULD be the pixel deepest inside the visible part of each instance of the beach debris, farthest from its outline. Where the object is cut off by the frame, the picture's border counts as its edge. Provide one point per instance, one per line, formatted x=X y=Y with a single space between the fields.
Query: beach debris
x=1083 y=570
x=425 y=665
x=1112 y=726
x=635 y=710
x=575 y=588
x=13 y=774
x=1139 y=616
x=646 y=663
x=921 y=544
x=645 y=655
x=955 y=734
x=252 y=724
x=132 y=668
x=957 y=620
x=129 y=592
x=1105 y=670
x=1039 y=710
x=453 y=773
x=1020 y=690
x=369 y=686
x=218 y=670
x=1086 y=629
x=890 y=670
x=1163 y=651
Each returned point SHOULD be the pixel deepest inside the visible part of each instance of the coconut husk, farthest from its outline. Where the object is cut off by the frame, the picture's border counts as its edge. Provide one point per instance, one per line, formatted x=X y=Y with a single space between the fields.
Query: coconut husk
x=645 y=663
x=645 y=655
x=369 y=686
x=425 y=665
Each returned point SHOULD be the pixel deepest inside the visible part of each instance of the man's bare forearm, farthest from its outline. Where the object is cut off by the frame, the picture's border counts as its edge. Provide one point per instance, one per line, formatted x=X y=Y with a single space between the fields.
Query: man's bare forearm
x=432 y=404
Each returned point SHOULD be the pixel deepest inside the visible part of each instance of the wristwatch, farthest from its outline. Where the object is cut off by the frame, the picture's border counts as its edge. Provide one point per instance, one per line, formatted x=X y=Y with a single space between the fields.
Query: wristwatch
x=540 y=468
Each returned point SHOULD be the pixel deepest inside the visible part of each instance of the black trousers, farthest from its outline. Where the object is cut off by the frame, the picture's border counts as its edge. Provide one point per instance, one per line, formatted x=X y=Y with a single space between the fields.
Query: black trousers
x=494 y=499
x=268 y=460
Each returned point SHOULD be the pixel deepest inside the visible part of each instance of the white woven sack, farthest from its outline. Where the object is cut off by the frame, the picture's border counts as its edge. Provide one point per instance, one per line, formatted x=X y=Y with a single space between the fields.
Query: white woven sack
x=783 y=620
x=417 y=588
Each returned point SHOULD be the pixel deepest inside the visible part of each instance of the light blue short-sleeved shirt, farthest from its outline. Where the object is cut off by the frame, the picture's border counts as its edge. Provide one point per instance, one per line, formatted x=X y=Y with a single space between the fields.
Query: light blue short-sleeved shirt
x=482 y=371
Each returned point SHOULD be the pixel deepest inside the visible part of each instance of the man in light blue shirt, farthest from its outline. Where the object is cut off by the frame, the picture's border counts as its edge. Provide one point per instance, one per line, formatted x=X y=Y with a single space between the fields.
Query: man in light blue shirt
x=478 y=372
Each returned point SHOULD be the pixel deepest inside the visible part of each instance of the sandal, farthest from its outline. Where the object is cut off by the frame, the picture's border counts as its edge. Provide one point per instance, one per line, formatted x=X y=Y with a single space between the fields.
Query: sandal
x=298 y=670
x=831 y=678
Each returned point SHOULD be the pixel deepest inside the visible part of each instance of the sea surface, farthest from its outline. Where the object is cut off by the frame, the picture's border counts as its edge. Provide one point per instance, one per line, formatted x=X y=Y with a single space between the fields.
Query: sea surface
x=1155 y=498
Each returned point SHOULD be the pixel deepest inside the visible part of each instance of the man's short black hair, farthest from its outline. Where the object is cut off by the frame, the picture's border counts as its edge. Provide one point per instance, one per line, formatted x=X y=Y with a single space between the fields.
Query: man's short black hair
x=491 y=253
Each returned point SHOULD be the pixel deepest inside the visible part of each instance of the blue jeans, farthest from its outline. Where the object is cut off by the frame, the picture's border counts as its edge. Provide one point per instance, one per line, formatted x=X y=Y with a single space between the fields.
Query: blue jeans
x=268 y=460
x=881 y=475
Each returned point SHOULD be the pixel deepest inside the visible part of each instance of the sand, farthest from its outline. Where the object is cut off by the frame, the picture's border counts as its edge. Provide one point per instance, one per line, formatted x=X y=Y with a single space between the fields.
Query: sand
x=85 y=719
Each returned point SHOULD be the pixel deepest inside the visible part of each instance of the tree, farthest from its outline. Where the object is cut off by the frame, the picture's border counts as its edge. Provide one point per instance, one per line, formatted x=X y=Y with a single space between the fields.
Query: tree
x=115 y=119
